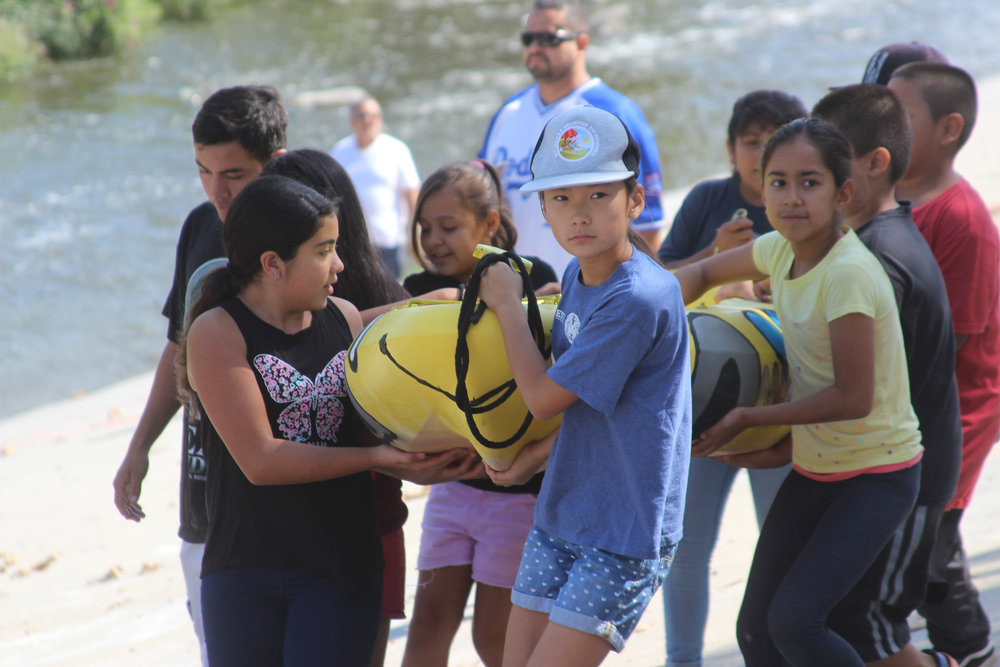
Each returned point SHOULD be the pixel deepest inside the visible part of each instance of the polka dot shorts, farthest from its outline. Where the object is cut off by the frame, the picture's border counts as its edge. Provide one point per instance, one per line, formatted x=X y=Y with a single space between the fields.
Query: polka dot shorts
x=587 y=589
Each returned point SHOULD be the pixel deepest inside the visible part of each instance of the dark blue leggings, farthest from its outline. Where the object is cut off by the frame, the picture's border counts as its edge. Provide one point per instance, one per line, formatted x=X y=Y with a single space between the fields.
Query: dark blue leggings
x=818 y=539
x=267 y=617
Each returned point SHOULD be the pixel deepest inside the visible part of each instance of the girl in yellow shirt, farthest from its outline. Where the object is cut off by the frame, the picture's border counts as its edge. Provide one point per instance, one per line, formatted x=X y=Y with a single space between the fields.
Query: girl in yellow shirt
x=855 y=444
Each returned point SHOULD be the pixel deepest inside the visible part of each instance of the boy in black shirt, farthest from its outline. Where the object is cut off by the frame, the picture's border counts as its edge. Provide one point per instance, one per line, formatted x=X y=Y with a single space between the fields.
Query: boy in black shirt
x=236 y=132
x=873 y=615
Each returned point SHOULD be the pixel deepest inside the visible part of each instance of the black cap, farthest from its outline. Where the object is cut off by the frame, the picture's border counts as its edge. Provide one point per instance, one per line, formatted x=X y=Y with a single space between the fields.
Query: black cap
x=889 y=58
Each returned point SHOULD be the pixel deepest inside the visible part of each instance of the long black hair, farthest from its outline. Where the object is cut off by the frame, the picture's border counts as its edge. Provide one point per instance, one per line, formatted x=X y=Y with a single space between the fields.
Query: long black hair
x=272 y=213
x=363 y=281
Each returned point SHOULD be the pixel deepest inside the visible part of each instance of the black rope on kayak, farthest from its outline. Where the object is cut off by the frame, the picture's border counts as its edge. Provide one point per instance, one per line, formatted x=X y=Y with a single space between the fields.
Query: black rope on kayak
x=507 y=388
x=470 y=314
x=383 y=346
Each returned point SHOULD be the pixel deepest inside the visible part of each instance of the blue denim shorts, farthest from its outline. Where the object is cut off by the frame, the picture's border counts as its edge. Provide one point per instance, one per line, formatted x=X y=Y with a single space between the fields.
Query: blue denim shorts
x=587 y=589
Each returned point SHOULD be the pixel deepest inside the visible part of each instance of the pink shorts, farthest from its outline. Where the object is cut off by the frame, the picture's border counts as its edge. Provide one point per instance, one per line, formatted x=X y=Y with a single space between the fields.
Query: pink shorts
x=487 y=529
x=394 y=575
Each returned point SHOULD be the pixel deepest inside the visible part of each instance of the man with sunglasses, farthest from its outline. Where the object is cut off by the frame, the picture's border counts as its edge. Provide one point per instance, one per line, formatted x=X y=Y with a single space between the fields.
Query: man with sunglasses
x=555 y=40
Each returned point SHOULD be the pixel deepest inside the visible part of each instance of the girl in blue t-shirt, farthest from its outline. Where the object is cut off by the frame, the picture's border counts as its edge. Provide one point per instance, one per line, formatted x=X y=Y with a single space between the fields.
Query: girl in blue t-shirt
x=609 y=513
x=855 y=444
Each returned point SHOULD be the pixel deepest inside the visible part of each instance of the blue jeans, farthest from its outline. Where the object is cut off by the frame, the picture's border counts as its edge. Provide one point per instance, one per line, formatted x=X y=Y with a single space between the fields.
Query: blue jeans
x=686 y=589
x=267 y=617
x=817 y=541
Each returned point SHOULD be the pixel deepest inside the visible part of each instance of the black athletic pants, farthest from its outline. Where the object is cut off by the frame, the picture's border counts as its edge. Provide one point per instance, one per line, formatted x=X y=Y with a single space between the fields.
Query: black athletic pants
x=956 y=621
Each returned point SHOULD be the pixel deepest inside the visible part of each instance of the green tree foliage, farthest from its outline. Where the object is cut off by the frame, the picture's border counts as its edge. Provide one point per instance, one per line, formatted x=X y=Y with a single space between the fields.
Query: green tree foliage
x=186 y=10
x=34 y=30
x=19 y=52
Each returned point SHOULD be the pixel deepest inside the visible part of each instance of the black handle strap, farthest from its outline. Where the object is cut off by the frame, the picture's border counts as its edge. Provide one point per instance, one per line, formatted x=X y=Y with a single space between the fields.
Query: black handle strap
x=468 y=315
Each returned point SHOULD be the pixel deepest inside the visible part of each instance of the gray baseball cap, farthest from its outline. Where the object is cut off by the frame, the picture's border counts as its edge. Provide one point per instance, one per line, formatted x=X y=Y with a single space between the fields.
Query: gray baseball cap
x=582 y=146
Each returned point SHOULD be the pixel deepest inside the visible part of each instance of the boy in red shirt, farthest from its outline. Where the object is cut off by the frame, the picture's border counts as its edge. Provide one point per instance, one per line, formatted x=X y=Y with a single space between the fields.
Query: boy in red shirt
x=951 y=216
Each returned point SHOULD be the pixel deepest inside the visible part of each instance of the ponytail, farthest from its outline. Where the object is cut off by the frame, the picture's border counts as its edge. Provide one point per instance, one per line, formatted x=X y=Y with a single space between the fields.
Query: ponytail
x=631 y=184
x=640 y=244
x=506 y=234
x=218 y=286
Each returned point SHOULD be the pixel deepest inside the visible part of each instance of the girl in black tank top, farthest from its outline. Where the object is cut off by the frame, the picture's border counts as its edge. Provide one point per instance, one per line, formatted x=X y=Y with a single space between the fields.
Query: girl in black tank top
x=292 y=567
x=300 y=378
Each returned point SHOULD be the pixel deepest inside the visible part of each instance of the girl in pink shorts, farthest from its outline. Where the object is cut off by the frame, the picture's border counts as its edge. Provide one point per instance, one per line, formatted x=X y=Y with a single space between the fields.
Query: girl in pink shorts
x=473 y=531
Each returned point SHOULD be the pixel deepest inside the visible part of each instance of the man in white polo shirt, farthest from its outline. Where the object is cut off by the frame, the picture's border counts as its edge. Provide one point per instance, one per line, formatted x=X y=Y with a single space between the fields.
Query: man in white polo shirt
x=382 y=169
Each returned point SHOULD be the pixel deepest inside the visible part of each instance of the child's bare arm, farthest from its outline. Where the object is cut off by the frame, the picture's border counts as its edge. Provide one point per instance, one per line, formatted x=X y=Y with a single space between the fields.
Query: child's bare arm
x=446 y=466
x=726 y=267
x=775 y=456
x=529 y=461
x=219 y=372
x=852 y=343
x=730 y=234
x=500 y=288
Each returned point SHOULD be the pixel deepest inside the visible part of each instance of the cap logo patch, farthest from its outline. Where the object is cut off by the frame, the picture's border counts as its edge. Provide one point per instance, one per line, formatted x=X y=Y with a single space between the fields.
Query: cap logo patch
x=875 y=66
x=576 y=142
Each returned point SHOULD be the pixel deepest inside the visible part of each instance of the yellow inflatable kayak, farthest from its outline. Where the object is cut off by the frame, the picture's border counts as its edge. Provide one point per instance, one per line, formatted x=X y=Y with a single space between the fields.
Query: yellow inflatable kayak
x=401 y=376
x=737 y=360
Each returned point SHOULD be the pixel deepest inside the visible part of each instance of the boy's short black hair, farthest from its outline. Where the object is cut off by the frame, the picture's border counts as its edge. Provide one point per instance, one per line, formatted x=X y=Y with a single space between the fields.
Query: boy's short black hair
x=946 y=89
x=870 y=116
x=576 y=12
x=253 y=116
x=768 y=108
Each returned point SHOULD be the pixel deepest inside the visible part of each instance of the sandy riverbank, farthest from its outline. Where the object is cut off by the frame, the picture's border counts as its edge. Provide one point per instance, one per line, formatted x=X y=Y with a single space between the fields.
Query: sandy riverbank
x=81 y=586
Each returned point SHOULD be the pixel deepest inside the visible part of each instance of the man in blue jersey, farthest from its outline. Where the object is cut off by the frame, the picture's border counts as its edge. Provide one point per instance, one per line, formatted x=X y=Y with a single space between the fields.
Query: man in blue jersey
x=555 y=41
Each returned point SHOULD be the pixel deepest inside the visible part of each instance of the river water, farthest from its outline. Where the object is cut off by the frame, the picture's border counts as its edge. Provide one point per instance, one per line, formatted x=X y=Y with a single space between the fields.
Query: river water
x=98 y=169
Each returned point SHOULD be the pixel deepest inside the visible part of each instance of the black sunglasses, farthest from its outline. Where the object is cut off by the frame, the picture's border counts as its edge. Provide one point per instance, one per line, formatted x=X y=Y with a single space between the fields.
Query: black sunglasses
x=548 y=40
